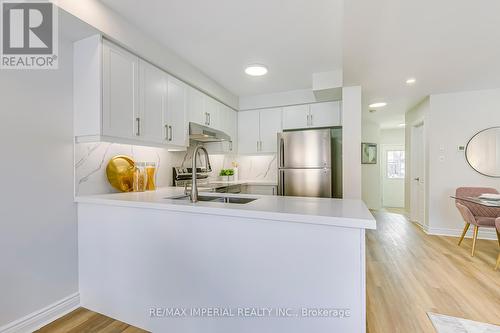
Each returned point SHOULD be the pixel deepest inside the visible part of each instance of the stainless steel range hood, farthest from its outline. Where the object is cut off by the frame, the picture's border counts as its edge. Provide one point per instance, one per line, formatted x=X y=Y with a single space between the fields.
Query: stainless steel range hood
x=202 y=133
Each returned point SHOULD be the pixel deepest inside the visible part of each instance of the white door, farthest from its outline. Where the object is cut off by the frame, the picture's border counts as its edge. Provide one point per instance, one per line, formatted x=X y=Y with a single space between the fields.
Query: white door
x=393 y=176
x=248 y=132
x=296 y=116
x=325 y=114
x=152 y=92
x=212 y=110
x=417 y=181
x=196 y=106
x=175 y=118
x=270 y=126
x=120 y=93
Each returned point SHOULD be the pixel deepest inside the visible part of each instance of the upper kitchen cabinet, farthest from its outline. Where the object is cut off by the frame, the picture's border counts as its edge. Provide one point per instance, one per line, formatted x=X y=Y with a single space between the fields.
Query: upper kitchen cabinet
x=196 y=106
x=258 y=131
x=175 y=124
x=121 y=98
x=212 y=113
x=325 y=114
x=312 y=115
x=296 y=116
x=152 y=99
x=228 y=123
x=248 y=132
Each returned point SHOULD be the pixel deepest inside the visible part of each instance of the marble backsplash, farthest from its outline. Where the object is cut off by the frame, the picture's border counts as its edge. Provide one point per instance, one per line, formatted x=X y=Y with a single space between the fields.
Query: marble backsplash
x=91 y=160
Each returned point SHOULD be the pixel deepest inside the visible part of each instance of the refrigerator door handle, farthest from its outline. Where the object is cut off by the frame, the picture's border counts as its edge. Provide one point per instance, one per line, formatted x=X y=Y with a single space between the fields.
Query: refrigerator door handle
x=281 y=149
x=281 y=182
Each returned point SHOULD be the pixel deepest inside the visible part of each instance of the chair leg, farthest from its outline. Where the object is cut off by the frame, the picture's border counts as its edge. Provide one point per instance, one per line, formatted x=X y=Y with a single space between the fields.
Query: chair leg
x=498 y=262
x=466 y=228
x=474 y=239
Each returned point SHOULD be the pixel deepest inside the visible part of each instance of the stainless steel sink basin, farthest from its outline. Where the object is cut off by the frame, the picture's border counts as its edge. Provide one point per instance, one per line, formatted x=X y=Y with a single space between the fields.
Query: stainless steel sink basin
x=211 y=198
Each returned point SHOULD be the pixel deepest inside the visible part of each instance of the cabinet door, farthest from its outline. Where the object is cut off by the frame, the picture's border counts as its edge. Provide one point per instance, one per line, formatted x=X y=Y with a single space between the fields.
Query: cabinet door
x=196 y=106
x=296 y=116
x=212 y=110
x=325 y=114
x=152 y=92
x=248 y=132
x=270 y=126
x=175 y=120
x=120 y=98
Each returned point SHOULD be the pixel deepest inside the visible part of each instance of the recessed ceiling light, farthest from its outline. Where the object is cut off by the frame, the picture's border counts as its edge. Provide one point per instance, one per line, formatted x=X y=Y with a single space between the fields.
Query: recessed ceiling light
x=256 y=70
x=411 y=81
x=378 y=105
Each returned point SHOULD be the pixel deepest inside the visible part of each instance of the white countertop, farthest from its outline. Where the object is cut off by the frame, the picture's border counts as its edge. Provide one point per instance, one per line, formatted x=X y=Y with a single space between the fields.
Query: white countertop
x=335 y=212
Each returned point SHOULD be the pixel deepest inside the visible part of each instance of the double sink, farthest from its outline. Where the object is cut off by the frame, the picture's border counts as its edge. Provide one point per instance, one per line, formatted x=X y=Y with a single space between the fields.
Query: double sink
x=213 y=198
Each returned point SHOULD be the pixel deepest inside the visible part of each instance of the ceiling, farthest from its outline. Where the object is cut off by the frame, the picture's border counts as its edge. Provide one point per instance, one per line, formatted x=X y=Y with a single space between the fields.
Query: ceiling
x=447 y=45
x=294 y=38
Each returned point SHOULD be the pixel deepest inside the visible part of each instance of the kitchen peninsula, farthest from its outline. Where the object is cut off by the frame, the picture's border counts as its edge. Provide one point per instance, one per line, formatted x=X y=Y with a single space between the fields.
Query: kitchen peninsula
x=143 y=255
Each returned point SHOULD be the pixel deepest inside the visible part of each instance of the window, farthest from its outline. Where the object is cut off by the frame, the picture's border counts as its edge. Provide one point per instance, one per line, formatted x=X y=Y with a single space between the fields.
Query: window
x=395 y=164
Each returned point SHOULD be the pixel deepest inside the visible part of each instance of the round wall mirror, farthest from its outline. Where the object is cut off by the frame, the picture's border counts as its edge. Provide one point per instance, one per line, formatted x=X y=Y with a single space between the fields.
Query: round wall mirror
x=483 y=152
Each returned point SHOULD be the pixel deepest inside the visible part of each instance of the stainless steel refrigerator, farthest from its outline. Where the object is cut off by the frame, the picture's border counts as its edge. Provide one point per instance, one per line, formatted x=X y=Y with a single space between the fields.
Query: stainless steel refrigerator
x=310 y=163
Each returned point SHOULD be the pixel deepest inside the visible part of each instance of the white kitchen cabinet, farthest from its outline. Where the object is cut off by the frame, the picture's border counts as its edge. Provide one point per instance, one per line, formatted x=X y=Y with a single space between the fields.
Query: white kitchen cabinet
x=212 y=113
x=314 y=115
x=196 y=106
x=121 y=98
x=248 y=132
x=228 y=123
x=270 y=126
x=152 y=99
x=257 y=130
x=174 y=117
x=296 y=116
x=120 y=92
x=325 y=114
x=260 y=189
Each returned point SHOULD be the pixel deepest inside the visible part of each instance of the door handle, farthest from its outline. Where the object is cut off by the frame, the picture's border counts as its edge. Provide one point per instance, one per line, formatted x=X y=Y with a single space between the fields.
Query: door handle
x=138 y=132
x=281 y=150
x=166 y=132
x=170 y=135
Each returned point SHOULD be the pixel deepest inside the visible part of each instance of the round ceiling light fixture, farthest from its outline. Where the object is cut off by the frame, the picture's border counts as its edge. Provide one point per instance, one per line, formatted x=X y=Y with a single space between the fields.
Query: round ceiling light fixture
x=411 y=81
x=378 y=105
x=256 y=70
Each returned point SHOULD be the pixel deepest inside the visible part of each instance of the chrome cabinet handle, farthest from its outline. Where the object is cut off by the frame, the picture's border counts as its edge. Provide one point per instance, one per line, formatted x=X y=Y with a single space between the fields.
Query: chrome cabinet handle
x=257 y=145
x=311 y=121
x=230 y=145
x=166 y=132
x=260 y=145
x=138 y=132
x=209 y=119
x=170 y=136
x=206 y=118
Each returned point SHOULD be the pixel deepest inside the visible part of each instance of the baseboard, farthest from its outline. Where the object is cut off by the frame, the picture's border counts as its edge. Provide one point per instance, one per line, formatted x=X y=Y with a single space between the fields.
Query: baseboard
x=42 y=317
x=484 y=233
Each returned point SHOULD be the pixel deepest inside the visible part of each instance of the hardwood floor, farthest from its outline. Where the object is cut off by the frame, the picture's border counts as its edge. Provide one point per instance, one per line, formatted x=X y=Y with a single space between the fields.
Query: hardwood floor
x=410 y=273
x=85 y=321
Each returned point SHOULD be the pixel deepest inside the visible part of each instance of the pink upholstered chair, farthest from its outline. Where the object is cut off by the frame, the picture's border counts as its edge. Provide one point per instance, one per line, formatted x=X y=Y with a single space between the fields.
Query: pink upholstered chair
x=497 y=224
x=475 y=214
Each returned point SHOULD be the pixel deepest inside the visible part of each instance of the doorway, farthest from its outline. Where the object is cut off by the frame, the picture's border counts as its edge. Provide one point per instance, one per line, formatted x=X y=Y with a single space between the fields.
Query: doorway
x=417 y=176
x=393 y=175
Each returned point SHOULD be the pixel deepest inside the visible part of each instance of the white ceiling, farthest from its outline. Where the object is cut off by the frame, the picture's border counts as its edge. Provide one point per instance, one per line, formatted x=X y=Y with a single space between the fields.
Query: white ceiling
x=294 y=38
x=447 y=45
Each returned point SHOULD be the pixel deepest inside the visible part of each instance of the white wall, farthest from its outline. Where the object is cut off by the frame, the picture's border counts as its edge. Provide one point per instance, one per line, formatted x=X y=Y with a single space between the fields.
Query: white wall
x=121 y=31
x=453 y=119
x=370 y=173
x=351 y=141
x=301 y=96
x=393 y=136
x=38 y=228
